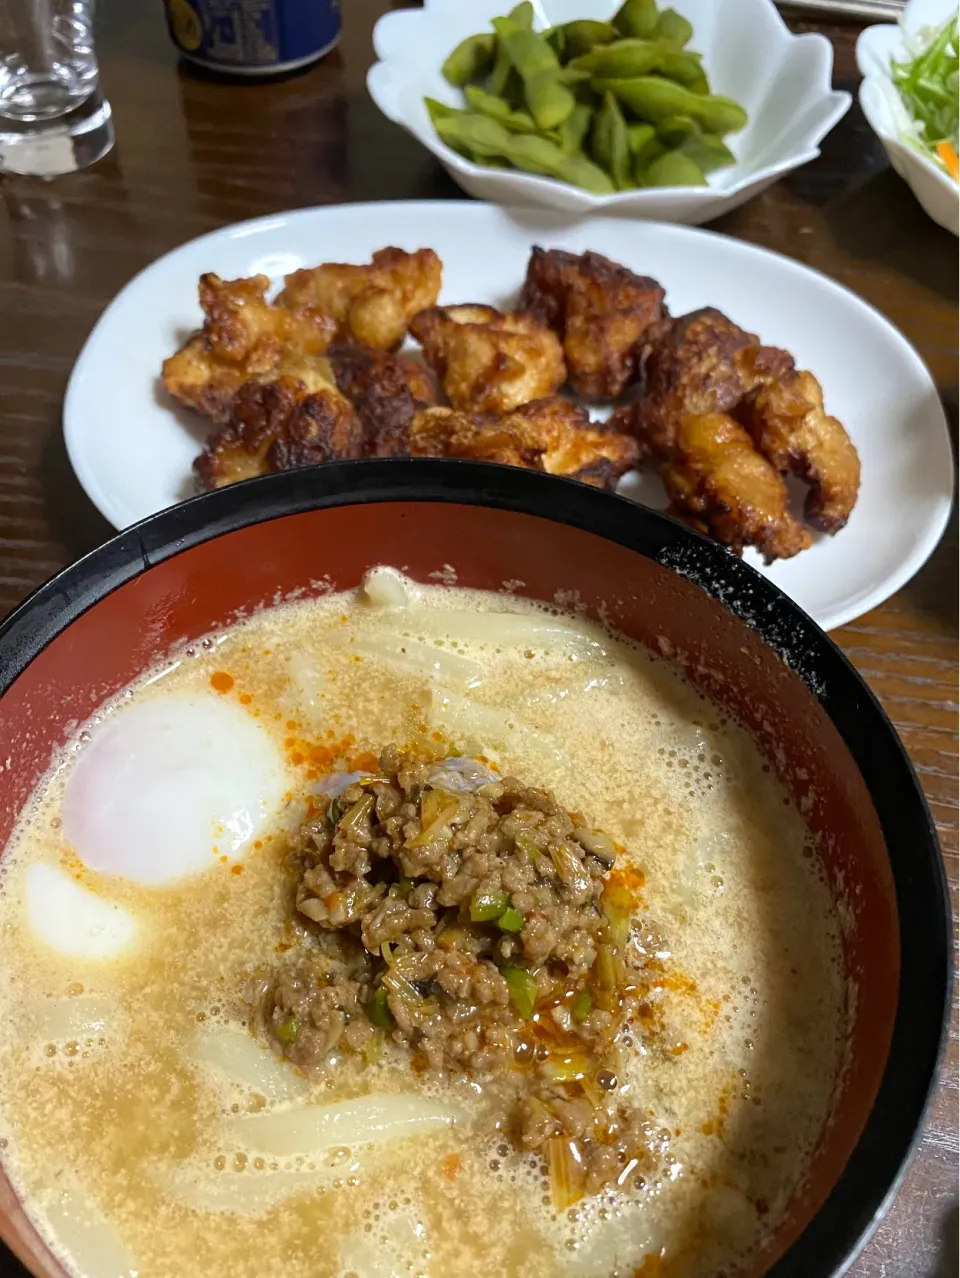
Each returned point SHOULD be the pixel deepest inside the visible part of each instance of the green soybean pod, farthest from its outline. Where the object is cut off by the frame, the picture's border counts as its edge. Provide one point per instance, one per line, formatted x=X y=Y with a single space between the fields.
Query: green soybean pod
x=673 y=169
x=674 y=27
x=538 y=155
x=575 y=127
x=675 y=129
x=584 y=34
x=683 y=67
x=636 y=18
x=549 y=100
x=470 y=60
x=708 y=152
x=644 y=158
x=654 y=98
x=476 y=136
x=439 y=110
x=442 y=117
x=557 y=39
x=498 y=109
x=484 y=140
x=639 y=137
x=572 y=75
x=623 y=59
x=609 y=144
x=520 y=17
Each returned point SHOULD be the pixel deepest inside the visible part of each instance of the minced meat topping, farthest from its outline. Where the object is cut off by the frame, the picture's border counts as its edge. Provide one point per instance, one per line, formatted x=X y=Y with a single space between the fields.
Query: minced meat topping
x=482 y=927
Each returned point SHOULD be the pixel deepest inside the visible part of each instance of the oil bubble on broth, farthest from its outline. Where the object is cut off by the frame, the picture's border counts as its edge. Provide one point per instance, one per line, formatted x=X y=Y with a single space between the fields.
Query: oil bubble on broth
x=132 y=1061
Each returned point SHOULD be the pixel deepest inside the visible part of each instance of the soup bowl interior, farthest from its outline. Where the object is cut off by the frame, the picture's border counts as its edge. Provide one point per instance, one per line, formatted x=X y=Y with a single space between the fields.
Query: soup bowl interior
x=213 y=561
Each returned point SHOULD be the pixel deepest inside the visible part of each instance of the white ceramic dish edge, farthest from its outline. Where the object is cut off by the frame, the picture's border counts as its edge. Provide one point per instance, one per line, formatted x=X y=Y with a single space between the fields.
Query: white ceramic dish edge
x=87 y=429
x=796 y=114
x=938 y=195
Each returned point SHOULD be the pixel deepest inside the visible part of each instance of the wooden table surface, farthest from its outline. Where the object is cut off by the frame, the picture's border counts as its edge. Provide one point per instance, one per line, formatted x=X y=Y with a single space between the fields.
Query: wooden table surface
x=194 y=153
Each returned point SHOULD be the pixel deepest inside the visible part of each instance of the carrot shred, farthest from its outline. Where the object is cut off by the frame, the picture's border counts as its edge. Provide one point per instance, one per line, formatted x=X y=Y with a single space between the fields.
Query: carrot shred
x=951 y=163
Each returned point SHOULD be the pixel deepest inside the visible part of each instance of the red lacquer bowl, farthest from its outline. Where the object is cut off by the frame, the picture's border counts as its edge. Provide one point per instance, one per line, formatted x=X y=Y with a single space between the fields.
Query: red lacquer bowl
x=193 y=568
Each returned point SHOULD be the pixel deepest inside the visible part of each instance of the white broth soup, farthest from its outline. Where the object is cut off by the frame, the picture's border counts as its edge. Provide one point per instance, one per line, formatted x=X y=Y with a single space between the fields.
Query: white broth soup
x=413 y=931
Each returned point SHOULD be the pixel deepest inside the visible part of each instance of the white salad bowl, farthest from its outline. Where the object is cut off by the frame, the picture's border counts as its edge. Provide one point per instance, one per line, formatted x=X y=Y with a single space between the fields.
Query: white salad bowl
x=782 y=80
x=889 y=118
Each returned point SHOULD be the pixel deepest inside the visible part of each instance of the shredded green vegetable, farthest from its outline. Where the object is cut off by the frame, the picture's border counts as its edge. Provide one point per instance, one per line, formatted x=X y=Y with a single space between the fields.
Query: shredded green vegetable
x=511 y=920
x=928 y=83
x=523 y=989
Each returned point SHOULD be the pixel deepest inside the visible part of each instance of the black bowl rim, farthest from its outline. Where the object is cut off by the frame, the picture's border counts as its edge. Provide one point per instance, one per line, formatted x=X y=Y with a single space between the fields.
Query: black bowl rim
x=873 y=1174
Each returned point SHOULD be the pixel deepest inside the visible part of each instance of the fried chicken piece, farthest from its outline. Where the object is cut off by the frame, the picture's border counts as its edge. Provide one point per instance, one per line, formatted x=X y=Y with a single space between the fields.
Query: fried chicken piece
x=697 y=363
x=386 y=391
x=599 y=310
x=718 y=481
x=488 y=361
x=244 y=338
x=278 y=426
x=702 y=366
x=551 y=435
x=371 y=304
x=786 y=421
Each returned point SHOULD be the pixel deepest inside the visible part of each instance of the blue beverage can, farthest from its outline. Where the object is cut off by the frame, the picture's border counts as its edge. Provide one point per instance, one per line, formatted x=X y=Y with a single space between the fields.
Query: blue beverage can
x=253 y=37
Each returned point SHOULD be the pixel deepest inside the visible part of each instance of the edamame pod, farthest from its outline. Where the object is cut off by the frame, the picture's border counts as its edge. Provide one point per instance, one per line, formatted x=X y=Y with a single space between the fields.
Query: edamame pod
x=685 y=68
x=557 y=40
x=438 y=110
x=654 y=98
x=470 y=60
x=645 y=156
x=549 y=100
x=623 y=59
x=521 y=16
x=673 y=169
x=636 y=18
x=609 y=143
x=483 y=138
x=575 y=127
x=583 y=35
x=639 y=136
x=682 y=133
x=707 y=151
x=675 y=129
x=674 y=27
x=498 y=109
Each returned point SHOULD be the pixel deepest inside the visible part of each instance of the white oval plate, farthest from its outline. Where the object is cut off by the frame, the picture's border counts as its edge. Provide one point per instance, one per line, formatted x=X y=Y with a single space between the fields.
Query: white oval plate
x=132 y=449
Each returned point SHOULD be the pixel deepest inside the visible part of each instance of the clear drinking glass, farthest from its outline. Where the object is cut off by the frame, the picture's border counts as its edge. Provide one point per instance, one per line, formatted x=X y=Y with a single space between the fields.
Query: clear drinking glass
x=52 y=117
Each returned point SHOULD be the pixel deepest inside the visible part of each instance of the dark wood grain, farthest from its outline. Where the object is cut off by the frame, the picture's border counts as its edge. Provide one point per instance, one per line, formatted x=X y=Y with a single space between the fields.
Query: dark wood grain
x=194 y=153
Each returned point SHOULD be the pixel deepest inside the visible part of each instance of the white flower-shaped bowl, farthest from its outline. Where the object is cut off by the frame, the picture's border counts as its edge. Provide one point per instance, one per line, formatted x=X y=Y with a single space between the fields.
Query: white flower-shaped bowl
x=781 y=79
x=888 y=116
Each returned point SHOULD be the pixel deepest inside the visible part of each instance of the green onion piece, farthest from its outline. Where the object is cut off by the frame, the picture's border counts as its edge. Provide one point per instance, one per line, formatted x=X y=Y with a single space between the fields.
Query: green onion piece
x=373 y=1048
x=286 y=1031
x=582 y=1006
x=487 y=906
x=352 y=821
x=523 y=989
x=607 y=977
x=567 y=1173
x=378 y=1009
x=401 y=887
x=529 y=849
x=437 y=810
x=618 y=905
x=401 y=987
x=333 y=813
x=511 y=920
